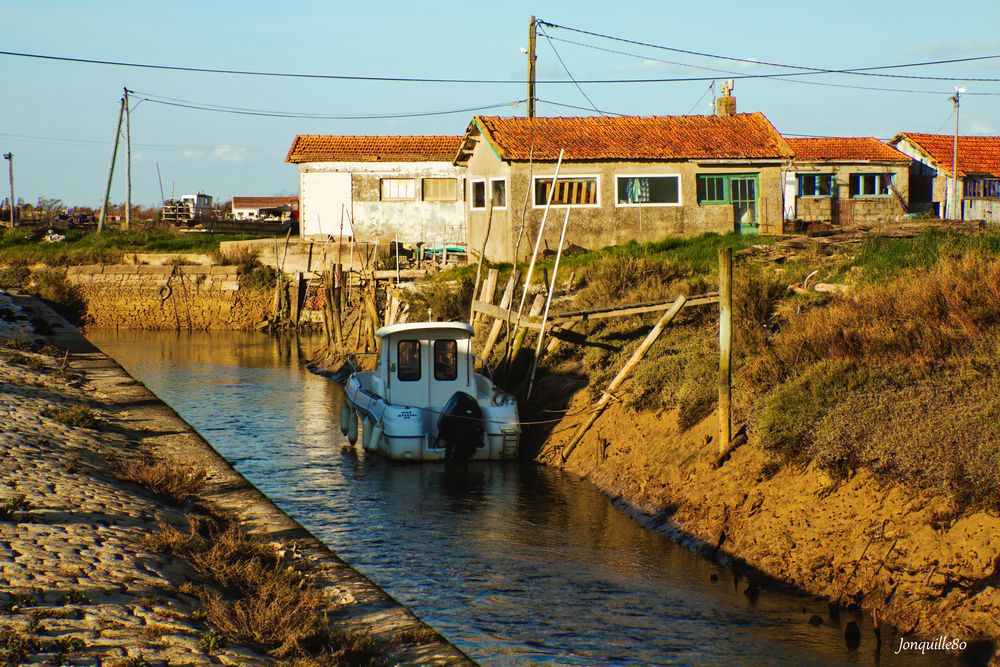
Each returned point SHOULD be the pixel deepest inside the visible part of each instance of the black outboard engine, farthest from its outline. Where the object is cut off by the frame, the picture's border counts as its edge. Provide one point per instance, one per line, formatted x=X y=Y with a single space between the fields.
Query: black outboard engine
x=461 y=427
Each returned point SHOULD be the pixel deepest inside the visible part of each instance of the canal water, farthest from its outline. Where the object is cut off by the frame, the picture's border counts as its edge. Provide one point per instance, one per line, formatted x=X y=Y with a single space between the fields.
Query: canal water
x=515 y=564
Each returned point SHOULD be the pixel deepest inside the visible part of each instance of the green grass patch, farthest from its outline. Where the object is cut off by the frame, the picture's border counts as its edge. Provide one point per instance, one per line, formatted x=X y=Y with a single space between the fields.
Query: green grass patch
x=108 y=247
x=78 y=416
x=881 y=259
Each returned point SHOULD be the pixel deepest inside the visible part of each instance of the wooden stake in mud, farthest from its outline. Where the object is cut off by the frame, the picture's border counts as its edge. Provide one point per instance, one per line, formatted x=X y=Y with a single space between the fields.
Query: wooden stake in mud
x=623 y=374
x=505 y=301
x=548 y=302
x=725 y=347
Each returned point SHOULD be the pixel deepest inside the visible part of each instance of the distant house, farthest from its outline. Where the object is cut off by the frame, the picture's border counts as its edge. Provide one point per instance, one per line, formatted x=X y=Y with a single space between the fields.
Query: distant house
x=932 y=174
x=257 y=208
x=389 y=186
x=846 y=180
x=625 y=178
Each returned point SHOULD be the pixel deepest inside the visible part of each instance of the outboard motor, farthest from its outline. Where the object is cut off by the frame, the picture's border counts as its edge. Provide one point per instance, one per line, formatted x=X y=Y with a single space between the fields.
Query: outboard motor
x=461 y=427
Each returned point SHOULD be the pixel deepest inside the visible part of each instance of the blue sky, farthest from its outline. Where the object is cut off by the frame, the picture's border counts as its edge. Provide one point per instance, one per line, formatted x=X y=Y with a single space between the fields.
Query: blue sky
x=59 y=118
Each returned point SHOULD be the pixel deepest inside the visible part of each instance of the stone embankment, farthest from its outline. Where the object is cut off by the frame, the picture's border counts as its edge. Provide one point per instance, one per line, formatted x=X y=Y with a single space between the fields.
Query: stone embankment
x=169 y=297
x=79 y=584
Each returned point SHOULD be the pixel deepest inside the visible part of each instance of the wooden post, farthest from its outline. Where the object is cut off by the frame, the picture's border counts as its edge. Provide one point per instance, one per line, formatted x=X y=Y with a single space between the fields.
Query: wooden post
x=548 y=302
x=111 y=169
x=725 y=347
x=520 y=333
x=296 y=298
x=505 y=301
x=623 y=374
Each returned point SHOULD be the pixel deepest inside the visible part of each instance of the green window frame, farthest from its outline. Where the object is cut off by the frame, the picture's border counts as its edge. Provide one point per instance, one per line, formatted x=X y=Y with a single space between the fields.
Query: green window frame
x=817 y=185
x=713 y=188
x=717 y=188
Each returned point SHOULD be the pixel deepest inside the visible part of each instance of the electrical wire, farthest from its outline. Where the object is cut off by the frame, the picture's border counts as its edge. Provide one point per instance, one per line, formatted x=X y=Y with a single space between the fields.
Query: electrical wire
x=802 y=69
x=707 y=91
x=243 y=111
x=576 y=106
x=777 y=77
x=860 y=71
x=570 y=75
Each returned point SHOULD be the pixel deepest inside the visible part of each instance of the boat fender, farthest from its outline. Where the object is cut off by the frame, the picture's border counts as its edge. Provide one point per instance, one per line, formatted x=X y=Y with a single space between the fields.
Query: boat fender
x=345 y=415
x=375 y=437
x=461 y=427
x=352 y=428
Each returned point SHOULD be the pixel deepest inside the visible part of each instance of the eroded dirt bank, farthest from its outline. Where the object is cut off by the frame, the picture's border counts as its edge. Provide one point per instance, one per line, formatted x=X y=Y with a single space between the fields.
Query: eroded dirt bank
x=900 y=553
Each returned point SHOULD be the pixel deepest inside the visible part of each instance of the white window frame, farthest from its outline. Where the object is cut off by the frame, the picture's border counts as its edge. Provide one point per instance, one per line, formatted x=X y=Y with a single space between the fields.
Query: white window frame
x=566 y=177
x=680 y=191
x=506 y=193
x=472 y=196
x=381 y=188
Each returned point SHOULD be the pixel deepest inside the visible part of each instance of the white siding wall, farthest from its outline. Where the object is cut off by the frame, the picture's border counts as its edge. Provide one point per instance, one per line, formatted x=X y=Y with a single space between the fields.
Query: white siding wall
x=323 y=196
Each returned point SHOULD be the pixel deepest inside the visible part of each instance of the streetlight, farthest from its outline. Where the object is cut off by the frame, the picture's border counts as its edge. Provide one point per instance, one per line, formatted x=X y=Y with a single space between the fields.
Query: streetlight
x=10 y=169
x=956 y=214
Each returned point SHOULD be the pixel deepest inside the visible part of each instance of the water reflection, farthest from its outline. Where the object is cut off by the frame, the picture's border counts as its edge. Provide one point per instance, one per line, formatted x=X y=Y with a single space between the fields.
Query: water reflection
x=516 y=565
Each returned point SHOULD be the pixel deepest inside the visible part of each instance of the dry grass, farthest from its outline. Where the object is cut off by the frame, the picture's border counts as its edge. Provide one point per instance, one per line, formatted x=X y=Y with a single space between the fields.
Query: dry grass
x=253 y=597
x=77 y=416
x=170 y=480
x=897 y=378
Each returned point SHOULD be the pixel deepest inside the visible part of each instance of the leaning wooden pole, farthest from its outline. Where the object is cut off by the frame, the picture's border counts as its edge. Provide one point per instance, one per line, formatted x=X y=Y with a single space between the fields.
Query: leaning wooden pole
x=725 y=347
x=111 y=170
x=623 y=374
x=545 y=313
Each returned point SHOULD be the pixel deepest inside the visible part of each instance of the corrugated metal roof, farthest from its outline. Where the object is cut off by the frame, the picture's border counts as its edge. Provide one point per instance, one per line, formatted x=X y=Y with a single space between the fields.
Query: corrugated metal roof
x=846 y=149
x=375 y=148
x=741 y=136
x=976 y=155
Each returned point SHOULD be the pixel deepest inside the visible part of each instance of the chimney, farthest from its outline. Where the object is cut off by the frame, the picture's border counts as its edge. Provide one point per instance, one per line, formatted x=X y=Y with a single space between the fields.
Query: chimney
x=726 y=105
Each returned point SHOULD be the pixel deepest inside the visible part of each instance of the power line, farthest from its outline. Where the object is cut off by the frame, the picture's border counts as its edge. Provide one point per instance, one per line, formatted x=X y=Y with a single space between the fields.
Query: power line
x=695 y=105
x=242 y=111
x=561 y=62
x=803 y=70
x=777 y=77
x=575 y=106
x=864 y=71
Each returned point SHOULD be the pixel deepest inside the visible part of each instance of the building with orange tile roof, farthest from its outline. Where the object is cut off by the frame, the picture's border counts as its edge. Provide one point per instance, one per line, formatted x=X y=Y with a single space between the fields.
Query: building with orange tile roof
x=978 y=173
x=386 y=187
x=846 y=181
x=625 y=178
x=255 y=208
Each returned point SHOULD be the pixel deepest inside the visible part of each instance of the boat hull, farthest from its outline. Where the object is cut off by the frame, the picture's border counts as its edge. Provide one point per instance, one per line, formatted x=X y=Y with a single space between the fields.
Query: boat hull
x=407 y=433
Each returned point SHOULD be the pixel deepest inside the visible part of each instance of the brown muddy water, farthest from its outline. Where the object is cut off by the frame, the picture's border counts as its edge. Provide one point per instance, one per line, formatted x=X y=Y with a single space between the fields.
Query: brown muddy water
x=515 y=564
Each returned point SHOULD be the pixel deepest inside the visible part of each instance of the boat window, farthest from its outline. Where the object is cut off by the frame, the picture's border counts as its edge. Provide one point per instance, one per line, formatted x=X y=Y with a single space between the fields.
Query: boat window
x=408 y=363
x=445 y=360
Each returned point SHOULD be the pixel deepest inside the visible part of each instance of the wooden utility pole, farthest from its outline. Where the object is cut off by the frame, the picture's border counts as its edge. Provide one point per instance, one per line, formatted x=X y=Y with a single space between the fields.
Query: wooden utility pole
x=128 y=163
x=725 y=347
x=10 y=170
x=531 y=68
x=111 y=169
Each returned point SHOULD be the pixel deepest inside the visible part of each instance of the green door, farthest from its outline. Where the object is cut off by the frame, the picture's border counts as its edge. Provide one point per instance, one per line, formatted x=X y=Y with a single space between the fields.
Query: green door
x=743 y=195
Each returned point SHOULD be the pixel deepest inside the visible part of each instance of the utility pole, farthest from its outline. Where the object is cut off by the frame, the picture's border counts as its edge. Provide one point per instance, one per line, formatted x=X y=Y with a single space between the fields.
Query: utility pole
x=111 y=169
x=128 y=163
x=956 y=214
x=531 y=68
x=10 y=169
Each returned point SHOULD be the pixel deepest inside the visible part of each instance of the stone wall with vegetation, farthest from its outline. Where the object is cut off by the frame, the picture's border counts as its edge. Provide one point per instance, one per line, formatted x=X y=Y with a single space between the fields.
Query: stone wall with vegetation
x=170 y=297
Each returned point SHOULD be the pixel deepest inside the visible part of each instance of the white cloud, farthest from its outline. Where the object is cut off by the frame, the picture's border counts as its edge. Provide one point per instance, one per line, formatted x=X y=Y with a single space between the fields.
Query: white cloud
x=957 y=48
x=193 y=153
x=229 y=153
x=981 y=127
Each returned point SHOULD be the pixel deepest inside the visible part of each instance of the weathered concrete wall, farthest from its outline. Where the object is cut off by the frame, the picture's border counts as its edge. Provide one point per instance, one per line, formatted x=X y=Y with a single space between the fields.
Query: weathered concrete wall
x=607 y=223
x=410 y=220
x=846 y=210
x=168 y=297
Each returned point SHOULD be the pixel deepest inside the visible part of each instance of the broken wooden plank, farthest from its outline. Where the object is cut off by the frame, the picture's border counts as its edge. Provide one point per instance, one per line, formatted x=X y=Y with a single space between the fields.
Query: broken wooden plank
x=623 y=374
x=597 y=314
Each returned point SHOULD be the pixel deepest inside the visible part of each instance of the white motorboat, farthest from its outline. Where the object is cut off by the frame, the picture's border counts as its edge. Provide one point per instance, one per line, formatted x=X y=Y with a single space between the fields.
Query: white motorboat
x=425 y=402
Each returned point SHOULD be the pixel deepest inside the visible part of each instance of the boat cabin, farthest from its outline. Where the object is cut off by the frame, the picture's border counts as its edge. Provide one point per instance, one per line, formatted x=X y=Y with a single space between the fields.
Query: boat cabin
x=423 y=364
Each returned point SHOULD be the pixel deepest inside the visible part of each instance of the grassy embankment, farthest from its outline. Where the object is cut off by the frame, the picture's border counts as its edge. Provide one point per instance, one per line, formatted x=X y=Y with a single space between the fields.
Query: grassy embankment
x=897 y=376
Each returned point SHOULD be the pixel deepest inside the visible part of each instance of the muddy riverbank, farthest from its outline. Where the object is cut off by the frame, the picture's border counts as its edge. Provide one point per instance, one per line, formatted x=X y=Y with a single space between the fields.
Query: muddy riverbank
x=900 y=554
x=81 y=581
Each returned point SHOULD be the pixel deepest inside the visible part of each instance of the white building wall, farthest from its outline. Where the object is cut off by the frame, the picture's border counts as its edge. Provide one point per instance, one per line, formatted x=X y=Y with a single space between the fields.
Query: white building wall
x=325 y=186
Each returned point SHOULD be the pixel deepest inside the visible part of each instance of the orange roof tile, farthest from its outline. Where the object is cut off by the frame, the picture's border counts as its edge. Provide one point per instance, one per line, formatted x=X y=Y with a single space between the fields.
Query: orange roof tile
x=634 y=137
x=333 y=148
x=262 y=202
x=844 y=149
x=976 y=155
